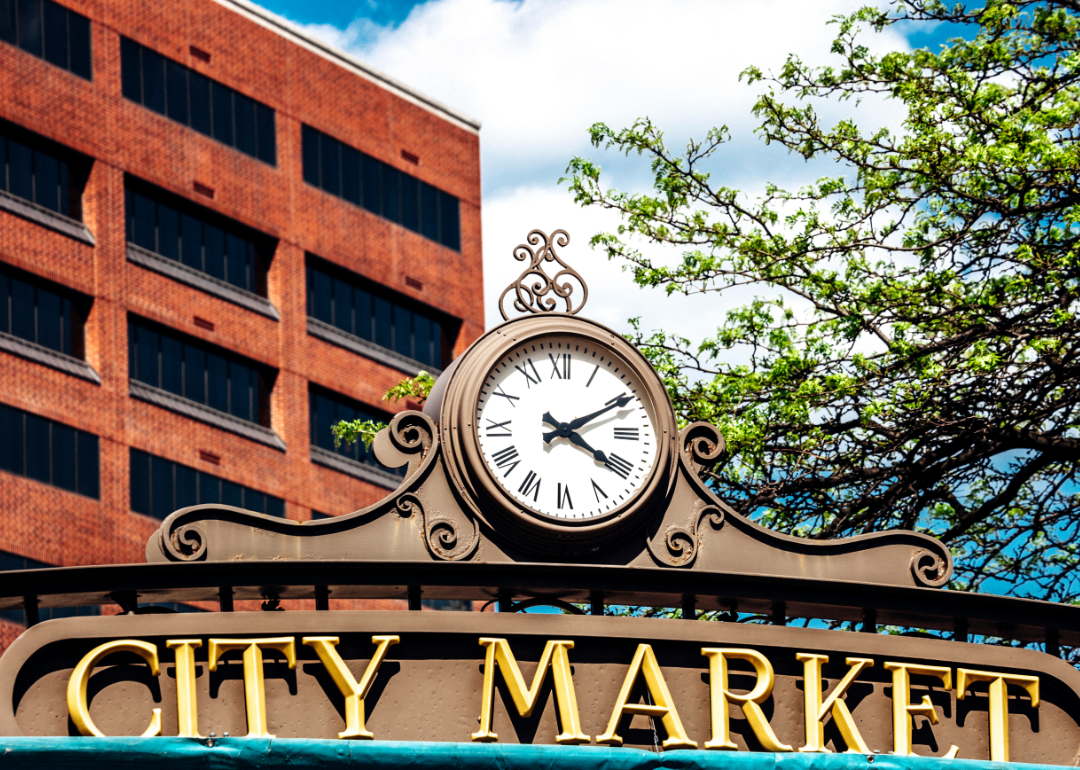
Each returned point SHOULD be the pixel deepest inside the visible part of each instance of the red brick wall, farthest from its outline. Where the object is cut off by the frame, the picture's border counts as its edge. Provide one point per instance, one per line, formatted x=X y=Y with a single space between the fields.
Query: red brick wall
x=51 y=525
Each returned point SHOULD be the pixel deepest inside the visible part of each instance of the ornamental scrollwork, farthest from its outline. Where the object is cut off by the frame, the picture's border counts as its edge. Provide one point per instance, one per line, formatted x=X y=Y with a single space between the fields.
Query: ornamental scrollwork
x=187 y=543
x=531 y=289
x=930 y=569
x=440 y=532
x=681 y=543
x=702 y=446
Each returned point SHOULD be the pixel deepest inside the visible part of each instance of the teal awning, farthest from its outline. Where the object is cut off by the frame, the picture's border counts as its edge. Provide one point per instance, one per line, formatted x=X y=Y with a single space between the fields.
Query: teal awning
x=243 y=753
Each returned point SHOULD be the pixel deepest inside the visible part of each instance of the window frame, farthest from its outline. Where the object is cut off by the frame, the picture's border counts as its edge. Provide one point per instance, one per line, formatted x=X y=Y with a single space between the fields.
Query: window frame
x=156 y=463
x=208 y=122
x=17 y=457
x=315 y=268
x=264 y=246
x=395 y=195
x=73 y=171
x=84 y=68
x=210 y=353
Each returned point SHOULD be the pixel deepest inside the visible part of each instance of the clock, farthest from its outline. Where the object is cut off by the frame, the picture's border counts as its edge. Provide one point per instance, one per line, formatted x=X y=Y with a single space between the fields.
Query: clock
x=558 y=431
x=563 y=427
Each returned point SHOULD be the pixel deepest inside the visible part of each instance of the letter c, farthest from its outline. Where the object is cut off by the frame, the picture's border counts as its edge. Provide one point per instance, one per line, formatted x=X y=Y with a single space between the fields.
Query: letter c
x=80 y=678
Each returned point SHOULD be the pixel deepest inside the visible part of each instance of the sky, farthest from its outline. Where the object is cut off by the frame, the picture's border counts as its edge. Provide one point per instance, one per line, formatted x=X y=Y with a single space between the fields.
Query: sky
x=538 y=73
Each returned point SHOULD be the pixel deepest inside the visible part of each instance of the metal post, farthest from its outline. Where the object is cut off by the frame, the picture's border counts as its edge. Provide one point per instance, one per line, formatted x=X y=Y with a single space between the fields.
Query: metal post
x=128 y=601
x=506 y=601
x=689 y=607
x=596 y=603
x=779 y=614
x=1053 y=645
x=960 y=630
x=414 y=599
x=225 y=599
x=869 y=621
x=322 y=598
x=30 y=610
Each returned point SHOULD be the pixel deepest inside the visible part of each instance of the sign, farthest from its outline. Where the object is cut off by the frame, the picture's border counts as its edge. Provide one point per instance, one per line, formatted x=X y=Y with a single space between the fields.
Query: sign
x=538 y=679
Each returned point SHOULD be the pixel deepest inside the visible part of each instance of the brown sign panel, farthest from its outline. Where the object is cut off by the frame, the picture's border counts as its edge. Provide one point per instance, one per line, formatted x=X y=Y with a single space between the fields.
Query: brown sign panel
x=462 y=676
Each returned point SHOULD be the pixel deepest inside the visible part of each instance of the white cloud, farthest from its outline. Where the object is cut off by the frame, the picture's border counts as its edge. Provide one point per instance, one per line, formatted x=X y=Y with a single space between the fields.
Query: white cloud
x=538 y=73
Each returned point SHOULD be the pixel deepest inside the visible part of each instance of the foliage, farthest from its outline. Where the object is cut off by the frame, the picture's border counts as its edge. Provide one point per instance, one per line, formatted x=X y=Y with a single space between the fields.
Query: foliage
x=411 y=388
x=910 y=359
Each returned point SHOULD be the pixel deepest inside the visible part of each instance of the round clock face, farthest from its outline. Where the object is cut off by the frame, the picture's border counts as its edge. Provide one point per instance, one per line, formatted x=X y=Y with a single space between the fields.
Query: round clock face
x=565 y=427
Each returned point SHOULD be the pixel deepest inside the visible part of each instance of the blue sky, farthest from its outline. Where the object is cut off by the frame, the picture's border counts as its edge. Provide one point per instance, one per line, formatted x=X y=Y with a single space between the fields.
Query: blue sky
x=341 y=14
x=538 y=73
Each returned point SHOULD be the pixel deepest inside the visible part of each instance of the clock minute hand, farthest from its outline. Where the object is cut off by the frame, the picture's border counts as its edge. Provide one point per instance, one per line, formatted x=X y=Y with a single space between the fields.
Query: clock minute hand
x=579 y=441
x=618 y=401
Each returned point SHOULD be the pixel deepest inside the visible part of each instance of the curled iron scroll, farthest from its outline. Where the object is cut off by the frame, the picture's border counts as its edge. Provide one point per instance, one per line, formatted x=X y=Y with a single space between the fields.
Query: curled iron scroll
x=531 y=289
x=682 y=543
x=929 y=569
x=702 y=445
x=440 y=532
x=187 y=543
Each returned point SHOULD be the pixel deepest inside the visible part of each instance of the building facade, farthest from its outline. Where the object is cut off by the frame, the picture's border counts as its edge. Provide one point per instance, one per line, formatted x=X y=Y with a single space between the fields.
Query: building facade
x=217 y=238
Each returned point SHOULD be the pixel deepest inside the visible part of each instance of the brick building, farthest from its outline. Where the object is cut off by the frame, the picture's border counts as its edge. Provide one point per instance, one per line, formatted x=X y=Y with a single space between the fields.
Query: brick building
x=217 y=237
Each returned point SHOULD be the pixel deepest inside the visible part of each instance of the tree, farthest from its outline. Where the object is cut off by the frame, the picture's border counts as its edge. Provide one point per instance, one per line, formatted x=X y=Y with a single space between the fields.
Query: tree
x=411 y=388
x=911 y=357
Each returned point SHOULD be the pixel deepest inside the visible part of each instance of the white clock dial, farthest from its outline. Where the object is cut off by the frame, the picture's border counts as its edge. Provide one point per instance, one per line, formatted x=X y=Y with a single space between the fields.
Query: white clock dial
x=564 y=429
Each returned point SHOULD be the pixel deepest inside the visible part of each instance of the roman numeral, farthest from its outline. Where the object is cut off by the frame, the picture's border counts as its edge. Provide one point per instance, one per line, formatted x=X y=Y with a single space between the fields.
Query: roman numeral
x=504 y=457
x=565 y=374
x=527 y=486
x=529 y=377
x=619 y=465
x=500 y=392
x=596 y=490
x=627 y=434
x=564 y=494
x=594 y=371
x=500 y=426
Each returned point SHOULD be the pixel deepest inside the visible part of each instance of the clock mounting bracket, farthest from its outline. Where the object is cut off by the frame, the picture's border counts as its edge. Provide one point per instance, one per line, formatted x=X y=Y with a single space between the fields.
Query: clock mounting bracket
x=448 y=509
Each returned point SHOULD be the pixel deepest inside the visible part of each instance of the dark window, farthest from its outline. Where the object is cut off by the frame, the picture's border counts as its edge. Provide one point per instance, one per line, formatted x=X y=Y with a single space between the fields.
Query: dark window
x=199 y=372
x=41 y=312
x=197 y=237
x=447 y=605
x=374 y=313
x=318 y=516
x=48 y=451
x=41 y=171
x=159 y=487
x=380 y=188
x=327 y=409
x=174 y=606
x=188 y=97
x=48 y=30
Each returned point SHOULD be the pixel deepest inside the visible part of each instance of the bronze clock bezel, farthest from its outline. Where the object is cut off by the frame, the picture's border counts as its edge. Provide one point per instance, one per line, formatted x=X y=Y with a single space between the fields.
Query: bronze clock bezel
x=535 y=529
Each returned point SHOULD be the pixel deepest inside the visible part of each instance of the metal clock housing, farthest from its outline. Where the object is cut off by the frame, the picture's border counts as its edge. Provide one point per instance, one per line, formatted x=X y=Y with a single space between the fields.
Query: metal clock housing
x=560 y=430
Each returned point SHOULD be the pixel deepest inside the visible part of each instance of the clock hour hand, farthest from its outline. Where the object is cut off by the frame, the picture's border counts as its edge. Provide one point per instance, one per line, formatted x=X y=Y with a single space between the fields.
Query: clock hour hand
x=579 y=441
x=547 y=418
x=617 y=402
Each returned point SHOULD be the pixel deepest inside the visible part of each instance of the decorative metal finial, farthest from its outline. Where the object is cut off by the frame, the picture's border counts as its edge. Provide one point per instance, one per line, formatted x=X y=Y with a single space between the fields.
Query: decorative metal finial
x=532 y=286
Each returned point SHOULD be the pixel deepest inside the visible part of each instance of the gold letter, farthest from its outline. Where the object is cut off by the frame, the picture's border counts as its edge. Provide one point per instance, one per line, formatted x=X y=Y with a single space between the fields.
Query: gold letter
x=354 y=693
x=999 y=703
x=720 y=695
x=815 y=710
x=645 y=663
x=80 y=678
x=254 y=686
x=186 y=712
x=904 y=712
x=498 y=651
